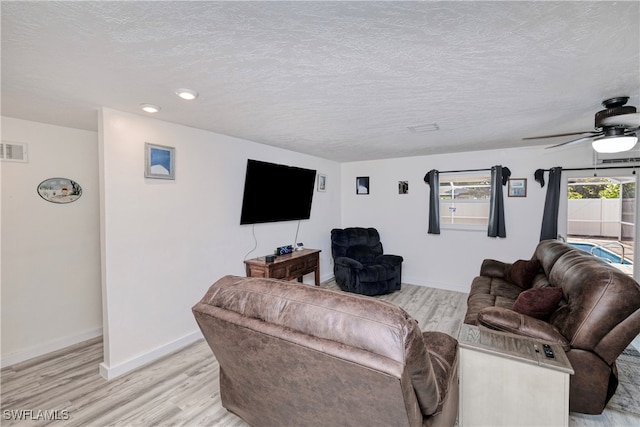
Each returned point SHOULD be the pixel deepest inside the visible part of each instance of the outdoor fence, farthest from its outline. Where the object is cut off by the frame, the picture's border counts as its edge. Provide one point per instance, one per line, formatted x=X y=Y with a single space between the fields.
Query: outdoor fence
x=601 y=217
x=612 y=218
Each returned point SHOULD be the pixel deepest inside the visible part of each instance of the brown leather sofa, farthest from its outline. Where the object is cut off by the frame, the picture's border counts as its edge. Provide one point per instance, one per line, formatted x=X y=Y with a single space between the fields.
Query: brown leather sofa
x=292 y=354
x=596 y=318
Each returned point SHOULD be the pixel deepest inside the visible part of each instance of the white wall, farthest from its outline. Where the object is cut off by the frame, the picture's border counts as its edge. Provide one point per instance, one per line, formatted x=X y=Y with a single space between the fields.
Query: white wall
x=451 y=260
x=165 y=242
x=51 y=295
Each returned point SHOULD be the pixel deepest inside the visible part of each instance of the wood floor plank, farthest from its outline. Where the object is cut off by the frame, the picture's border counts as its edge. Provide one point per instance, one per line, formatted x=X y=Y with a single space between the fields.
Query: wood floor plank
x=182 y=389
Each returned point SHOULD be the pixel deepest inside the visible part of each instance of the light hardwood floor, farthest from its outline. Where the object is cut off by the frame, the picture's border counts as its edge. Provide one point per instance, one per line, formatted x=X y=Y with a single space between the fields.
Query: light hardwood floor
x=182 y=389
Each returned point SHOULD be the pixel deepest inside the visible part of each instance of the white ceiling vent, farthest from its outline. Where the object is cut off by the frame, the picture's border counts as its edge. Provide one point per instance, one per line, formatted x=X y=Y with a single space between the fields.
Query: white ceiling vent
x=13 y=152
x=424 y=128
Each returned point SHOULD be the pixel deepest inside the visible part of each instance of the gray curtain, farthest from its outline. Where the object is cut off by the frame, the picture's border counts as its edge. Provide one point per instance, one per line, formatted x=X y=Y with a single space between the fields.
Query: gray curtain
x=433 y=179
x=499 y=177
x=551 y=206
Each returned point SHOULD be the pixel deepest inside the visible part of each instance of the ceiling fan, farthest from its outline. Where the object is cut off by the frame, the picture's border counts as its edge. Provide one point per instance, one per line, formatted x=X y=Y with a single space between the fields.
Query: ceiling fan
x=616 y=128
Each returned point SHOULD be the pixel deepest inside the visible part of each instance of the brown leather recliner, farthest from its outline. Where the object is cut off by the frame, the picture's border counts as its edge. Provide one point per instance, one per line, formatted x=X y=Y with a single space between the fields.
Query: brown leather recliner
x=292 y=354
x=596 y=319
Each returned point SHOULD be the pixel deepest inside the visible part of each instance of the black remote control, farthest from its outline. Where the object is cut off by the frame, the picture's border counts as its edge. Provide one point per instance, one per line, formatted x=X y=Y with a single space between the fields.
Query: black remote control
x=547 y=351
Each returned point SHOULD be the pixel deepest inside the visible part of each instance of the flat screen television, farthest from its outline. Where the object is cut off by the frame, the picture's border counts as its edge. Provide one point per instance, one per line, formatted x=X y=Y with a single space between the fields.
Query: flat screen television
x=275 y=193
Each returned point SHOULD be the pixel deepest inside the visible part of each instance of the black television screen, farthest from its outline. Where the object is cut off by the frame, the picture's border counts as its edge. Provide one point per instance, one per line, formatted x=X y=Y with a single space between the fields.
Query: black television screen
x=276 y=193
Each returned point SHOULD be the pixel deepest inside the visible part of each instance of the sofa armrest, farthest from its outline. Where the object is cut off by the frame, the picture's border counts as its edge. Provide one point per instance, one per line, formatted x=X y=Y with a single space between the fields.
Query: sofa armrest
x=493 y=268
x=505 y=320
x=389 y=259
x=343 y=261
x=443 y=352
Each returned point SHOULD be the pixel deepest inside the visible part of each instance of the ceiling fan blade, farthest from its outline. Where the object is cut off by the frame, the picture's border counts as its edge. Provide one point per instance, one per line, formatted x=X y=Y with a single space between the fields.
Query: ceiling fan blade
x=591 y=133
x=627 y=120
x=577 y=141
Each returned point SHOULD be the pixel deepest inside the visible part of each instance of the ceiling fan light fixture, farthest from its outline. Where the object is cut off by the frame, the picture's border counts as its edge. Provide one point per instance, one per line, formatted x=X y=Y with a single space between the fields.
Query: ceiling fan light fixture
x=187 y=94
x=615 y=144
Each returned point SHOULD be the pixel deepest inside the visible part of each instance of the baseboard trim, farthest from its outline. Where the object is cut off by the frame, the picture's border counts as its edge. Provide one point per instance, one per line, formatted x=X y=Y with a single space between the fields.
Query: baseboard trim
x=111 y=372
x=41 y=350
x=326 y=277
x=437 y=285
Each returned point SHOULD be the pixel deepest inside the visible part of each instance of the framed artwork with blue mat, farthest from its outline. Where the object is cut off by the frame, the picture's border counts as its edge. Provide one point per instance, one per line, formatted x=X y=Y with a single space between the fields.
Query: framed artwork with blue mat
x=159 y=161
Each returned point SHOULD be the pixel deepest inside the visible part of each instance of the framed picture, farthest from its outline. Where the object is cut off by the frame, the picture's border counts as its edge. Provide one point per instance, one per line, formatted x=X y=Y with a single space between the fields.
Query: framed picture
x=362 y=185
x=59 y=190
x=322 y=182
x=517 y=187
x=159 y=161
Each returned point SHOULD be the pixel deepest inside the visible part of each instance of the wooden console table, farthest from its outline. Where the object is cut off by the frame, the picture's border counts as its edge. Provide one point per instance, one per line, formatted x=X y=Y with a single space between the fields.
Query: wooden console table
x=506 y=380
x=287 y=267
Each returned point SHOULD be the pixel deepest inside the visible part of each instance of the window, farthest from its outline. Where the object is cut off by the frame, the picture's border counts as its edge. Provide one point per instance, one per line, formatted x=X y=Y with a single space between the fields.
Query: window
x=464 y=199
x=601 y=213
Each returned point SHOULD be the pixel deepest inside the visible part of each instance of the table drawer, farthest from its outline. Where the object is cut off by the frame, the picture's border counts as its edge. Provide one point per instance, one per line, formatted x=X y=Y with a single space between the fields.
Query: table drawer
x=256 y=271
x=279 y=272
x=297 y=269
x=311 y=263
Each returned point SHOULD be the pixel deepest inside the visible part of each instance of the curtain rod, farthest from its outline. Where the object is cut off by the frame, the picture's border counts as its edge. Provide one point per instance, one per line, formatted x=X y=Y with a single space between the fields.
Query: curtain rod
x=596 y=168
x=547 y=170
x=539 y=173
x=466 y=170
x=505 y=172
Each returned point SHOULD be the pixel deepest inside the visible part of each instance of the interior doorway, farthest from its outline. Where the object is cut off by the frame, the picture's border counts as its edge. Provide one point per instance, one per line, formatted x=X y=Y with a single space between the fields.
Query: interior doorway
x=601 y=216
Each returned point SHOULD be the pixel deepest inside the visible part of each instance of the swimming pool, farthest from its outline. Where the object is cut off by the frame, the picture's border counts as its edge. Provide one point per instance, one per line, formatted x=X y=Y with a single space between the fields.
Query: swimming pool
x=599 y=251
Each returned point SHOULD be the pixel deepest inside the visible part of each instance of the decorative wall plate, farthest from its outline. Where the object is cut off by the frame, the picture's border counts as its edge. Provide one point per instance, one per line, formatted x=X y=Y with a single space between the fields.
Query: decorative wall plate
x=59 y=190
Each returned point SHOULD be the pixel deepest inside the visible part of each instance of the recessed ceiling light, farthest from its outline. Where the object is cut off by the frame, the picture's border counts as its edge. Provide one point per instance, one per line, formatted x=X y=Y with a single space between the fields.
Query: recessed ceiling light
x=150 y=108
x=187 y=94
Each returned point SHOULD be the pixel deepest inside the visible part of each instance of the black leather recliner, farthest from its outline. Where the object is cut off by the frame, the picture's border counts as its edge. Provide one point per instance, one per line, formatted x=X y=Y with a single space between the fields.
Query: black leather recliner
x=360 y=266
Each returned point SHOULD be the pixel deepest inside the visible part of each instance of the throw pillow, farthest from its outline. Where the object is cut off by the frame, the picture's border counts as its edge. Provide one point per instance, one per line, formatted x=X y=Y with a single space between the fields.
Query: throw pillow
x=522 y=272
x=539 y=303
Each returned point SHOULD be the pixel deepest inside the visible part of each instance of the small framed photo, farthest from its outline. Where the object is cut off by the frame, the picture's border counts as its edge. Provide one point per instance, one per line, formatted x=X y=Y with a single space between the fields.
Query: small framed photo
x=159 y=161
x=403 y=187
x=322 y=182
x=362 y=185
x=517 y=187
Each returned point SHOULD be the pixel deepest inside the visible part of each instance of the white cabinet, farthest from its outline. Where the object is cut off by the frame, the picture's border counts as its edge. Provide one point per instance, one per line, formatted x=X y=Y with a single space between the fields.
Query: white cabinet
x=506 y=380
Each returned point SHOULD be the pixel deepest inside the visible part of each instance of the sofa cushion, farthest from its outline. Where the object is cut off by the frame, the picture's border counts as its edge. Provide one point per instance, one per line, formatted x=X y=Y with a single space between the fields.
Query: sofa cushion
x=493 y=268
x=343 y=239
x=540 y=281
x=489 y=292
x=373 y=273
x=503 y=289
x=522 y=272
x=363 y=253
x=539 y=302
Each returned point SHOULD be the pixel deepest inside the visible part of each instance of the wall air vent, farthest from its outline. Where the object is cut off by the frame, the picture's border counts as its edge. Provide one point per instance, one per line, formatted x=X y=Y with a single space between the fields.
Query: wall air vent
x=631 y=158
x=619 y=160
x=13 y=152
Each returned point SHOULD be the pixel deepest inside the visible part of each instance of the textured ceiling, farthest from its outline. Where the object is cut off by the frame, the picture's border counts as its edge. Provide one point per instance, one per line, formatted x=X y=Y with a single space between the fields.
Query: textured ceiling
x=339 y=80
